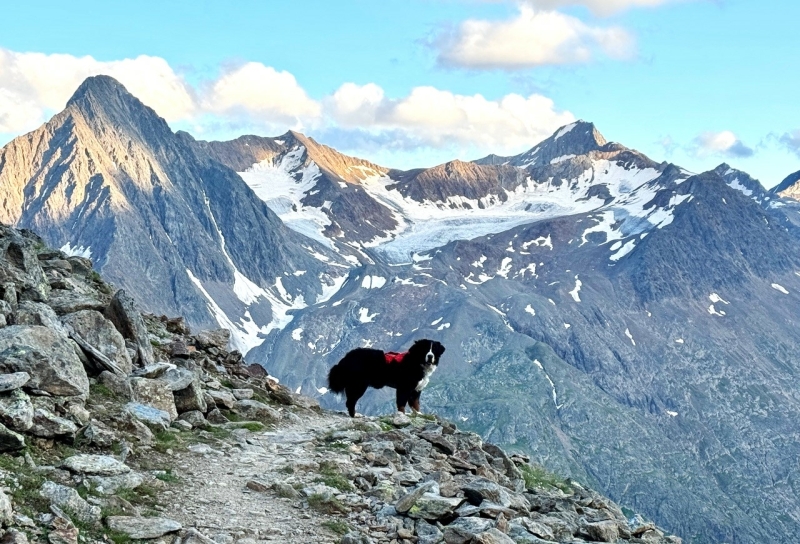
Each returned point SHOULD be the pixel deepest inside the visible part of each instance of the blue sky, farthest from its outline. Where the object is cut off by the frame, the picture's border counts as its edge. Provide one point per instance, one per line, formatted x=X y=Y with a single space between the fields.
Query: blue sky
x=417 y=82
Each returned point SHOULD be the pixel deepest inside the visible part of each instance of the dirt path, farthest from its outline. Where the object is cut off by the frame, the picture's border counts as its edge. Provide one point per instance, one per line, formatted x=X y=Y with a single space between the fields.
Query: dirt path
x=214 y=497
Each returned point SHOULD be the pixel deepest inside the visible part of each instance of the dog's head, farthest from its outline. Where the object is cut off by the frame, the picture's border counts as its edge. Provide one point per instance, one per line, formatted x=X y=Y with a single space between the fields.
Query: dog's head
x=427 y=351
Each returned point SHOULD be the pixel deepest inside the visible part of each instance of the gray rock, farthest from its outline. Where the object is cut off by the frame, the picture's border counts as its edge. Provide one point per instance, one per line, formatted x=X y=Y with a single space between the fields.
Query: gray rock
x=191 y=398
x=13 y=536
x=118 y=385
x=48 y=357
x=122 y=311
x=218 y=338
x=68 y=499
x=216 y=417
x=181 y=425
x=6 y=512
x=154 y=393
x=15 y=380
x=400 y=420
x=492 y=536
x=427 y=533
x=62 y=530
x=481 y=489
x=66 y=302
x=97 y=433
x=37 y=313
x=194 y=417
x=433 y=507
x=16 y=410
x=242 y=394
x=408 y=500
x=603 y=531
x=193 y=536
x=256 y=411
x=153 y=371
x=537 y=529
x=142 y=528
x=223 y=398
x=463 y=530
x=150 y=416
x=520 y=536
x=48 y=425
x=110 y=485
x=177 y=378
x=101 y=465
x=101 y=334
x=354 y=537
x=9 y=440
x=285 y=490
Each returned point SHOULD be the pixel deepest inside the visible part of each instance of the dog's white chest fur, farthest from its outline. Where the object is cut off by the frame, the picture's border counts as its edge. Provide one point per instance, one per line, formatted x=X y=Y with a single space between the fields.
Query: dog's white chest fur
x=425 y=379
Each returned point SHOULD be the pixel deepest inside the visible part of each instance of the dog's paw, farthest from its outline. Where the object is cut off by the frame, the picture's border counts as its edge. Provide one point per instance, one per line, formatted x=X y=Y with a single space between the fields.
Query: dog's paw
x=358 y=415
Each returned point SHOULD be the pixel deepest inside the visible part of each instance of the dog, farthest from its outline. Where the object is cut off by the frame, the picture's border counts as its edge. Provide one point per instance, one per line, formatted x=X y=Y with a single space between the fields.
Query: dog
x=407 y=372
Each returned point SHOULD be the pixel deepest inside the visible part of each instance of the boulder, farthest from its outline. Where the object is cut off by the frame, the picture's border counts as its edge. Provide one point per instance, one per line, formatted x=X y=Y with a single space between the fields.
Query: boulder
x=223 y=398
x=122 y=311
x=66 y=302
x=15 y=380
x=408 y=500
x=101 y=465
x=603 y=531
x=47 y=356
x=101 y=334
x=46 y=424
x=117 y=385
x=354 y=537
x=191 y=398
x=97 y=433
x=9 y=440
x=16 y=410
x=427 y=533
x=154 y=418
x=483 y=489
x=194 y=417
x=21 y=265
x=434 y=507
x=463 y=530
x=110 y=485
x=218 y=338
x=155 y=393
x=37 y=313
x=256 y=411
x=142 y=528
x=68 y=499
x=492 y=536
x=177 y=378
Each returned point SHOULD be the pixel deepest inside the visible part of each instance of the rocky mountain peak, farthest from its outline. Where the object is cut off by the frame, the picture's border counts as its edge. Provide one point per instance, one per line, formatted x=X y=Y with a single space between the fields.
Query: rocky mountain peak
x=789 y=187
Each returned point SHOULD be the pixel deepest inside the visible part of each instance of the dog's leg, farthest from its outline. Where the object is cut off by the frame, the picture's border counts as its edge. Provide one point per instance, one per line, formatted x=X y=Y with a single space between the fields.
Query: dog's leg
x=353 y=394
x=414 y=401
x=402 y=400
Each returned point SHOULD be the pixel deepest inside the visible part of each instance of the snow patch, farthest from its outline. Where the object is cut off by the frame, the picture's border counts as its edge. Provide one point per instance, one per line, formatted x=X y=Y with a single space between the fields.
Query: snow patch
x=780 y=288
x=552 y=384
x=530 y=309
x=297 y=334
x=364 y=315
x=630 y=336
x=575 y=292
x=79 y=251
x=373 y=282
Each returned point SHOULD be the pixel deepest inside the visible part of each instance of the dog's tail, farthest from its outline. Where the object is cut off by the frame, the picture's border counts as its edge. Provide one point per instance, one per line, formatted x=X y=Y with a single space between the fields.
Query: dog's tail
x=337 y=379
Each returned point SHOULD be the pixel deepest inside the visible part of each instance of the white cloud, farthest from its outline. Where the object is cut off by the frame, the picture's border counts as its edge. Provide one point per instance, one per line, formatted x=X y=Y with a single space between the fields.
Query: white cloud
x=532 y=38
x=600 y=7
x=791 y=140
x=724 y=143
x=35 y=84
x=256 y=89
x=437 y=118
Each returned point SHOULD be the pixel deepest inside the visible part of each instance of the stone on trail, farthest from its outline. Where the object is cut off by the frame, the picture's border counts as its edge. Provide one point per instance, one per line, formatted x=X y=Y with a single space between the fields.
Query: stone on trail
x=101 y=465
x=142 y=528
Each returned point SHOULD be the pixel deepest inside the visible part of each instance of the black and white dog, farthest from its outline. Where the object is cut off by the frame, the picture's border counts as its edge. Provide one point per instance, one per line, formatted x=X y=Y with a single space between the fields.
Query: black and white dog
x=407 y=372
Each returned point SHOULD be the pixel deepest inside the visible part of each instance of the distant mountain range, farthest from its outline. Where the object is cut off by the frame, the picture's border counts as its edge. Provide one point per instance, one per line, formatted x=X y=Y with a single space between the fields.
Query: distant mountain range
x=605 y=312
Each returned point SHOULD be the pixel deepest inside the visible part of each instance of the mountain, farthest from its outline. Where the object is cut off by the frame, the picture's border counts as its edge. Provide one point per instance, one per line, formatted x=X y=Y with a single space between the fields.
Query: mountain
x=789 y=187
x=611 y=315
x=106 y=178
x=607 y=313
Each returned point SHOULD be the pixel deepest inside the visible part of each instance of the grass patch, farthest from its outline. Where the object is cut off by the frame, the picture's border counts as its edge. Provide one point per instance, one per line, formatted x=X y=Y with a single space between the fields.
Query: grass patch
x=227 y=383
x=100 y=390
x=326 y=505
x=288 y=469
x=145 y=495
x=166 y=440
x=252 y=426
x=168 y=476
x=330 y=476
x=336 y=526
x=537 y=477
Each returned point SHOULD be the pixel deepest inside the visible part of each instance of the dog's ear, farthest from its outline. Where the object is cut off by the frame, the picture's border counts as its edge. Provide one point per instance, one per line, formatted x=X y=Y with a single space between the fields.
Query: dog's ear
x=438 y=349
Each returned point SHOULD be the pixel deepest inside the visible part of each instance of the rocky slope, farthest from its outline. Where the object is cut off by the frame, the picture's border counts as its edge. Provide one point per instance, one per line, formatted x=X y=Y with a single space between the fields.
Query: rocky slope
x=107 y=178
x=118 y=425
x=789 y=187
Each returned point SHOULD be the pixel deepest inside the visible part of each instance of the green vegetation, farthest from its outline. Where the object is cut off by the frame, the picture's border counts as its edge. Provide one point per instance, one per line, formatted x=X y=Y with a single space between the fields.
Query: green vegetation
x=331 y=477
x=336 y=526
x=326 y=505
x=537 y=477
x=168 y=476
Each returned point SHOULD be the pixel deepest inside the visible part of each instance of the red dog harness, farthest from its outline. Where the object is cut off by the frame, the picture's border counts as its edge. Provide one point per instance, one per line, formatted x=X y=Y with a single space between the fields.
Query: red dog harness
x=394 y=357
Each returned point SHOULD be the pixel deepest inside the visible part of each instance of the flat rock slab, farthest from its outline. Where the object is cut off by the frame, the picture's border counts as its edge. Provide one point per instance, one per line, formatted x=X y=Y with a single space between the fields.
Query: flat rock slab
x=101 y=465
x=433 y=507
x=15 y=380
x=68 y=499
x=407 y=501
x=149 y=415
x=142 y=528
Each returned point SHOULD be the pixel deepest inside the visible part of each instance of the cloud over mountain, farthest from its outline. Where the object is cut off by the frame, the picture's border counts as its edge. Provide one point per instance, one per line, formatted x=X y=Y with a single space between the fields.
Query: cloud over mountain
x=724 y=143
x=531 y=38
